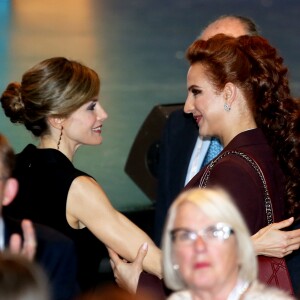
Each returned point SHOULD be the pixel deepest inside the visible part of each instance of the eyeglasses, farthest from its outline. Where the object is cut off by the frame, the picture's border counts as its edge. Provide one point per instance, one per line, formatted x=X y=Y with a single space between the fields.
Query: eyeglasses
x=217 y=232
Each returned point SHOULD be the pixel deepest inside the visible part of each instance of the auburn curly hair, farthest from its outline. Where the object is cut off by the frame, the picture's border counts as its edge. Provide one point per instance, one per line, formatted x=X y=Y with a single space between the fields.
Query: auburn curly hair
x=257 y=69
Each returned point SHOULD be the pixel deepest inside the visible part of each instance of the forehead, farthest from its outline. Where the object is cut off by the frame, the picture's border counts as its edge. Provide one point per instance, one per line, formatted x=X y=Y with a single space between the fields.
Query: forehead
x=191 y=216
x=228 y=26
x=197 y=72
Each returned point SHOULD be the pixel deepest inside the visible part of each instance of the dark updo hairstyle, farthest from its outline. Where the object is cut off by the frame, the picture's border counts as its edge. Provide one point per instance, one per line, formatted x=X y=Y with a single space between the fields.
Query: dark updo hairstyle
x=55 y=87
x=253 y=65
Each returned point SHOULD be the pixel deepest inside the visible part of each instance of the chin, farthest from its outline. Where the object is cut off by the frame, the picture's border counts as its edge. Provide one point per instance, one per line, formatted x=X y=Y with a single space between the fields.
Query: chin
x=204 y=135
x=94 y=142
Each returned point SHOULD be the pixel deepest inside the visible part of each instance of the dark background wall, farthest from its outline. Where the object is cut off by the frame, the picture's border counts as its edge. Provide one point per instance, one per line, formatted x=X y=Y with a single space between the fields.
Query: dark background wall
x=137 y=47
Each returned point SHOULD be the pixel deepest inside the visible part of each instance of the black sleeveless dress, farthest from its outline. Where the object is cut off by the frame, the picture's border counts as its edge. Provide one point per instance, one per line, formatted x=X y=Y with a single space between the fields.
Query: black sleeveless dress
x=45 y=176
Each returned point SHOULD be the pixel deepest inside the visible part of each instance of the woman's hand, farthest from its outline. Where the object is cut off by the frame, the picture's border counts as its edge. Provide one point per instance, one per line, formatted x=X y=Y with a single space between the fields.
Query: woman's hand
x=127 y=274
x=274 y=242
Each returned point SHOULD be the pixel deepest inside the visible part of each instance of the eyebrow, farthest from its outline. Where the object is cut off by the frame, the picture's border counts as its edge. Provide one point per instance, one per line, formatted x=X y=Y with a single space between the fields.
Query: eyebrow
x=192 y=87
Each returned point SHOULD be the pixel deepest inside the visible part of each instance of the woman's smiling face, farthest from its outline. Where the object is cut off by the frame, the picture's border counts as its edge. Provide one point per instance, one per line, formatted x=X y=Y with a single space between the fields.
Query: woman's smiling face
x=203 y=101
x=84 y=126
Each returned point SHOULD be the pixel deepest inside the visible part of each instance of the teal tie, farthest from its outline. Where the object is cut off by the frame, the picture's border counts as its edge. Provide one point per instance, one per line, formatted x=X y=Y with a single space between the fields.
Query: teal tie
x=214 y=149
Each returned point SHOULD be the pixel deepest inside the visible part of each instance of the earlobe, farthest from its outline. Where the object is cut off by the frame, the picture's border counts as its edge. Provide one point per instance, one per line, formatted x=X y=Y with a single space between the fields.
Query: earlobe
x=10 y=191
x=55 y=122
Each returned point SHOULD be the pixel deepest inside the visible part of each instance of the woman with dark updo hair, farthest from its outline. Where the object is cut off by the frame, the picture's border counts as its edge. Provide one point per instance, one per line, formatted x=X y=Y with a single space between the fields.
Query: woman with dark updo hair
x=57 y=101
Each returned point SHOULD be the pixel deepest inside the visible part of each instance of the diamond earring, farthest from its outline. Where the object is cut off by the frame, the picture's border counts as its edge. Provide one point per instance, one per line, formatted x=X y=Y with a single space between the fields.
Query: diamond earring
x=227 y=107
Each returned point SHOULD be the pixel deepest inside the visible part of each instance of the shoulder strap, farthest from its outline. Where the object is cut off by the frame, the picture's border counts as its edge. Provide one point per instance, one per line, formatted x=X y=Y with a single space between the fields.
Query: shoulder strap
x=256 y=167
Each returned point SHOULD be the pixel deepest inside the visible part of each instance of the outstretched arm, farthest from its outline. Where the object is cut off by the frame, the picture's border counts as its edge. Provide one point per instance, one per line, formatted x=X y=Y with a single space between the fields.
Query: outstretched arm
x=88 y=205
x=273 y=241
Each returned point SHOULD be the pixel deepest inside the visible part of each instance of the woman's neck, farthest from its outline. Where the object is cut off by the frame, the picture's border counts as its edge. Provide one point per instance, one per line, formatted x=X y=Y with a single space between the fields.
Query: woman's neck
x=230 y=289
x=231 y=134
x=47 y=142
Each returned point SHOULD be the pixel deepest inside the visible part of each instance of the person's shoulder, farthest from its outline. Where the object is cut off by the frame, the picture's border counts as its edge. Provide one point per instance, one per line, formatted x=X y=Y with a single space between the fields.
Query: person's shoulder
x=227 y=161
x=28 y=151
x=260 y=291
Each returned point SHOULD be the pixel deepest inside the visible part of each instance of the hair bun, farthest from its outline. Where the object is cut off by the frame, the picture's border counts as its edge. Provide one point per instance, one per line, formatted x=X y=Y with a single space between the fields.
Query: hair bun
x=12 y=103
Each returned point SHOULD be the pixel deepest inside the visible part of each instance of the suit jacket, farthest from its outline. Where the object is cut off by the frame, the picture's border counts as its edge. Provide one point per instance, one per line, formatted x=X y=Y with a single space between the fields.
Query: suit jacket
x=55 y=254
x=176 y=147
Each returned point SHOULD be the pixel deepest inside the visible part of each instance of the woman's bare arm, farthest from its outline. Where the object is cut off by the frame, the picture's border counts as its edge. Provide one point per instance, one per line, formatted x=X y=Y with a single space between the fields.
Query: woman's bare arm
x=88 y=205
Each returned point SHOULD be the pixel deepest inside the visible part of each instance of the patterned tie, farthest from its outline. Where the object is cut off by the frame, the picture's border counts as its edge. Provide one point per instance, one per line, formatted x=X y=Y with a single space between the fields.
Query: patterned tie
x=214 y=149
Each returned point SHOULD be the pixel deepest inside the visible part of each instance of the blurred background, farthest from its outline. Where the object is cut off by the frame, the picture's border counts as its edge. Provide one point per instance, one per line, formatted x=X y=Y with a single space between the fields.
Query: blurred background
x=137 y=47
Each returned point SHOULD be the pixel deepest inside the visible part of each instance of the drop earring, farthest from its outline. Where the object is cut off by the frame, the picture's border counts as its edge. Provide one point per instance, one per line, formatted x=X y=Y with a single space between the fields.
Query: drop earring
x=227 y=107
x=176 y=267
x=61 y=133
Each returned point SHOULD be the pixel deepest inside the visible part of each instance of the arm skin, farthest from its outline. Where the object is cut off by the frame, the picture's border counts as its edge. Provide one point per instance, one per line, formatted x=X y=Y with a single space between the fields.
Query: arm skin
x=88 y=206
x=270 y=241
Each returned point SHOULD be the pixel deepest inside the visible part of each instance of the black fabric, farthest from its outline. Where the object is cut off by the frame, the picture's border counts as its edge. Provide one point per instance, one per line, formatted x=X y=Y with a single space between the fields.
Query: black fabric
x=176 y=147
x=55 y=254
x=45 y=176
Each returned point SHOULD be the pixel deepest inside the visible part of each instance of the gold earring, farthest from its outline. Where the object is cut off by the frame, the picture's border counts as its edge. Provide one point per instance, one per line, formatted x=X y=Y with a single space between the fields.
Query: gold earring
x=61 y=133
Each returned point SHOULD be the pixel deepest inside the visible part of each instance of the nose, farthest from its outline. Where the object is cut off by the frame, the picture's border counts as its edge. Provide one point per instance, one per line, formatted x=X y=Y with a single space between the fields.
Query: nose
x=199 y=244
x=188 y=105
x=102 y=115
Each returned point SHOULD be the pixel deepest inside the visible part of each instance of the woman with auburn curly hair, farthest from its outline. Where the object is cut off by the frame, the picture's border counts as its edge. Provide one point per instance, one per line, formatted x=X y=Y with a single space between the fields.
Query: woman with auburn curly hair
x=238 y=91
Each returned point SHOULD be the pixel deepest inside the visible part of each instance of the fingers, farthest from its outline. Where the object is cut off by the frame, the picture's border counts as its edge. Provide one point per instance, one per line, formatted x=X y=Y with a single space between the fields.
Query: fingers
x=15 y=243
x=294 y=234
x=28 y=249
x=29 y=245
x=282 y=224
x=293 y=242
x=141 y=254
x=114 y=257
